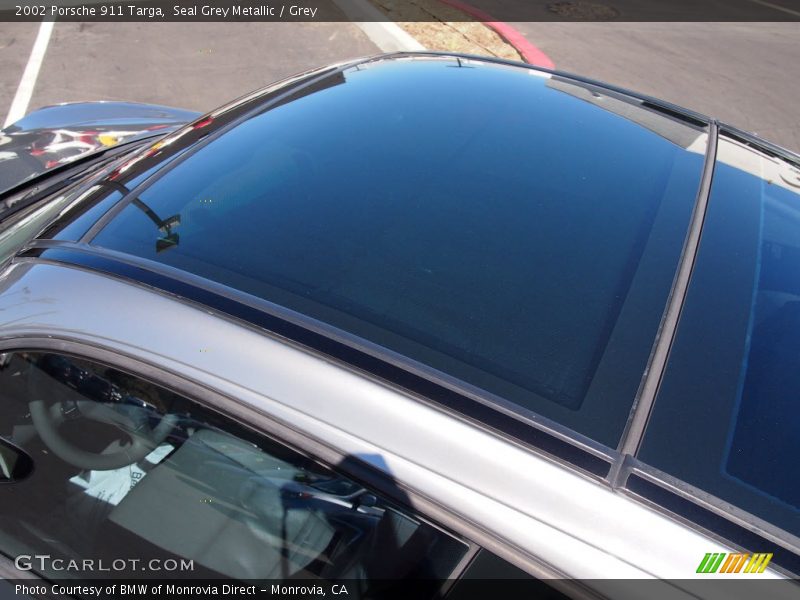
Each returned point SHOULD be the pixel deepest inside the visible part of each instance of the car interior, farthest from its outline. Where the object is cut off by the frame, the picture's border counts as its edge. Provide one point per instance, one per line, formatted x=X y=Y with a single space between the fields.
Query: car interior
x=124 y=469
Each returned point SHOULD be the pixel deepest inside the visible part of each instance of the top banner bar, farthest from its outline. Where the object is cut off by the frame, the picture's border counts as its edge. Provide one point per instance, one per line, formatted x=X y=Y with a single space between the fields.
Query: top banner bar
x=402 y=10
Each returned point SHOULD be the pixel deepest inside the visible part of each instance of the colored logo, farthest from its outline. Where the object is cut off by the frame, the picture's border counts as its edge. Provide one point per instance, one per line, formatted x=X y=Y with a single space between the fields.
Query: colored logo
x=720 y=562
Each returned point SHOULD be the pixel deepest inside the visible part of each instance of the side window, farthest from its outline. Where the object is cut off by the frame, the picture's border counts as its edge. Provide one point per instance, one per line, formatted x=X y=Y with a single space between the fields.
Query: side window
x=727 y=416
x=487 y=573
x=19 y=228
x=147 y=482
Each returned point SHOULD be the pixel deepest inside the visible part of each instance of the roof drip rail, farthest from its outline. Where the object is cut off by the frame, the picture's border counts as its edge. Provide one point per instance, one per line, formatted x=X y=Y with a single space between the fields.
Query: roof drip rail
x=651 y=380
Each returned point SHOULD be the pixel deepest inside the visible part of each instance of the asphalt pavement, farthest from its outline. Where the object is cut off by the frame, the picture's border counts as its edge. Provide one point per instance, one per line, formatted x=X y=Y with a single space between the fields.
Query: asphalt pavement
x=743 y=73
x=16 y=41
x=197 y=66
x=746 y=74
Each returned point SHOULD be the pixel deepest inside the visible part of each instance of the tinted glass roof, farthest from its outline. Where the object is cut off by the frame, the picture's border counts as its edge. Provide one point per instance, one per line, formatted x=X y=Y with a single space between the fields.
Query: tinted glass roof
x=515 y=231
x=737 y=346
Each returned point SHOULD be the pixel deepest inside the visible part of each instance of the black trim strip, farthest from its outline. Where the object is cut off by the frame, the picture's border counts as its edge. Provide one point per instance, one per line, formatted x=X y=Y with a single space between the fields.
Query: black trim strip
x=684 y=114
x=760 y=145
x=719 y=525
x=657 y=363
x=474 y=411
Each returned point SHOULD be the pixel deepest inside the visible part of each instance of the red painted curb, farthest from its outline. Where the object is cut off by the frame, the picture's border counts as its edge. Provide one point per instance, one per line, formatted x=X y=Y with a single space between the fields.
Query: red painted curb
x=528 y=51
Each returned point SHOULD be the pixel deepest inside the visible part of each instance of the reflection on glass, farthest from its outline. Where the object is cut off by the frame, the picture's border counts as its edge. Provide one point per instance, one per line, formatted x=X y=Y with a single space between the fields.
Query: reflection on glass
x=125 y=470
x=474 y=219
x=732 y=384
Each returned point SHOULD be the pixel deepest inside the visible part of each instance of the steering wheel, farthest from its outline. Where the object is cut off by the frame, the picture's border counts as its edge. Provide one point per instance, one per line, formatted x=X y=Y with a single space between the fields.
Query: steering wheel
x=53 y=405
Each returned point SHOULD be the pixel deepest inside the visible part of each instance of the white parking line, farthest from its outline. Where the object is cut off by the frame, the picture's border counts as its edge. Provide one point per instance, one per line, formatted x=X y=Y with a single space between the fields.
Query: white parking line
x=777 y=7
x=387 y=36
x=22 y=98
